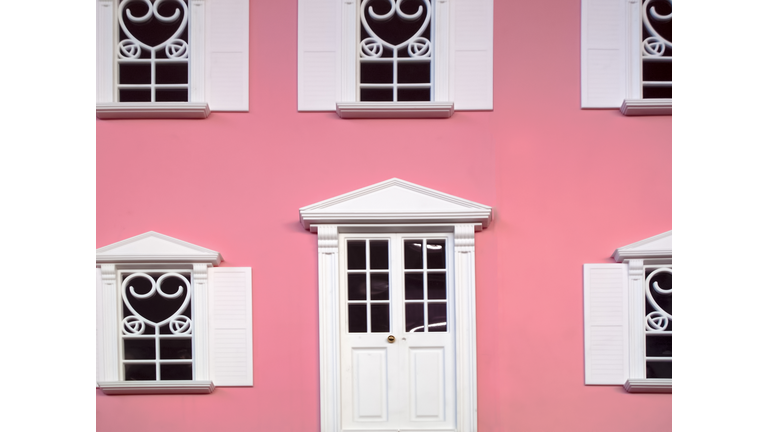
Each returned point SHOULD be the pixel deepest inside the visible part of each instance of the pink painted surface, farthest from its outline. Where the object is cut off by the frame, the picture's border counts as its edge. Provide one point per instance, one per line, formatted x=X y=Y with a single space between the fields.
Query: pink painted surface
x=567 y=186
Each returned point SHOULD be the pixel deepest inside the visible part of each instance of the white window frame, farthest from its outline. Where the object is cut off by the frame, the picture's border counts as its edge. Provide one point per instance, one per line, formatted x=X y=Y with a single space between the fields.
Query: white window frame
x=402 y=207
x=218 y=62
x=611 y=58
x=614 y=316
x=328 y=56
x=210 y=288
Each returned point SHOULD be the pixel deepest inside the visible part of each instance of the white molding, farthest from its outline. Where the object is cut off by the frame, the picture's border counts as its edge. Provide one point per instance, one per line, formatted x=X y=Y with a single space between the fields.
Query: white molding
x=636 y=318
x=197 y=55
x=133 y=110
x=328 y=293
x=106 y=33
x=466 y=338
x=646 y=107
x=658 y=246
x=395 y=201
x=649 y=385
x=109 y=324
x=353 y=110
x=153 y=247
x=200 y=327
x=156 y=387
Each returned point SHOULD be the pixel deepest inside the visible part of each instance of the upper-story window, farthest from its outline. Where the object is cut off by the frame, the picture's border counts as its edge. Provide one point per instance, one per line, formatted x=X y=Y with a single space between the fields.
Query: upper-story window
x=626 y=56
x=395 y=58
x=171 y=58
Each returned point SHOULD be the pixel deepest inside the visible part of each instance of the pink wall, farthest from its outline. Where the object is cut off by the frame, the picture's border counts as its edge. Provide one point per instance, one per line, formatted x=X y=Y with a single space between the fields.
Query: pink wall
x=567 y=186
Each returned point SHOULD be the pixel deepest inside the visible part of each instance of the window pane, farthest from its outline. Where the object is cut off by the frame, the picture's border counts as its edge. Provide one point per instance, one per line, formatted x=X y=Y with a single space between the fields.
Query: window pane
x=176 y=372
x=379 y=318
x=356 y=286
x=135 y=96
x=376 y=95
x=436 y=254
x=414 y=286
x=171 y=73
x=379 y=254
x=436 y=286
x=437 y=317
x=139 y=372
x=415 y=73
x=171 y=95
x=358 y=318
x=413 y=254
x=413 y=94
x=135 y=73
x=658 y=346
x=379 y=286
x=414 y=317
x=176 y=349
x=656 y=369
x=356 y=254
x=139 y=349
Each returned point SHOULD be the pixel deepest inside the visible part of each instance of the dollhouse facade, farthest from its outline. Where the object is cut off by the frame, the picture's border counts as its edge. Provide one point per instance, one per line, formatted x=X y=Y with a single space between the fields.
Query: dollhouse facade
x=307 y=221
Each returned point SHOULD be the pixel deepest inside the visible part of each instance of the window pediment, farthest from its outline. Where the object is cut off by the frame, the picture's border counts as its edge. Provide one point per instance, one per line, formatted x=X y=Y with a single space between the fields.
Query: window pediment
x=153 y=247
x=658 y=246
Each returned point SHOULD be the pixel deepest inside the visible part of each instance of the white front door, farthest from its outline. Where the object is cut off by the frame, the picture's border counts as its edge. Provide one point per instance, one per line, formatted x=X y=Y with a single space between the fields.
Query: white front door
x=397 y=332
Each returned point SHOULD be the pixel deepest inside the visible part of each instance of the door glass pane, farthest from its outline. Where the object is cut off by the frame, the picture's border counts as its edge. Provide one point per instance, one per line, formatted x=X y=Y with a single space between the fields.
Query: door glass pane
x=414 y=317
x=379 y=286
x=414 y=286
x=436 y=254
x=436 y=286
x=413 y=254
x=358 y=318
x=356 y=254
x=379 y=254
x=437 y=321
x=379 y=318
x=356 y=286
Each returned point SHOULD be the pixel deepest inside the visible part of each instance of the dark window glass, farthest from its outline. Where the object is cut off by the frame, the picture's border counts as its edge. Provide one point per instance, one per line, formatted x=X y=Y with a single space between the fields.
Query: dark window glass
x=436 y=254
x=376 y=73
x=171 y=95
x=413 y=73
x=657 y=71
x=356 y=254
x=437 y=317
x=139 y=95
x=175 y=372
x=358 y=318
x=379 y=286
x=413 y=94
x=139 y=372
x=658 y=369
x=379 y=318
x=376 y=95
x=356 y=286
x=414 y=317
x=658 y=346
x=657 y=92
x=413 y=254
x=139 y=349
x=414 y=286
x=176 y=349
x=171 y=73
x=379 y=254
x=436 y=286
x=132 y=73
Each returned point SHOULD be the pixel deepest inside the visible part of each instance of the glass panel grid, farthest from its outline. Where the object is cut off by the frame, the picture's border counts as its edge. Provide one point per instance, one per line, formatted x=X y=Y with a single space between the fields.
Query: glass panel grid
x=425 y=311
x=368 y=286
x=656 y=49
x=658 y=321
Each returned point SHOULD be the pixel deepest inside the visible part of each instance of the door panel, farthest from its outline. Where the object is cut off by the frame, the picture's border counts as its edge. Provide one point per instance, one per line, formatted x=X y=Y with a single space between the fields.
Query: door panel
x=370 y=372
x=427 y=384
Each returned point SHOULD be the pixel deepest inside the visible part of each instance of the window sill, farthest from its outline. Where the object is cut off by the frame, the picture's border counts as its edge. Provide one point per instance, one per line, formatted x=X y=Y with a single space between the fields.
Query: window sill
x=350 y=110
x=649 y=385
x=156 y=387
x=133 y=110
x=644 y=107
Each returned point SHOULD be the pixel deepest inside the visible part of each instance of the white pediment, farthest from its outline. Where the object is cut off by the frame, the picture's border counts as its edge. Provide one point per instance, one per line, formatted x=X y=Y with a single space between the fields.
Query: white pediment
x=395 y=201
x=152 y=247
x=658 y=246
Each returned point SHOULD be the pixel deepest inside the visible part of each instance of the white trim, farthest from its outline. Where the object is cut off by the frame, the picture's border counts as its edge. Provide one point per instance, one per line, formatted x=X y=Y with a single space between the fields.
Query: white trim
x=153 y=247
x=351 y=110
x=156 y=387
x=133 y=110
x=640 y=250
x=644 y=107
x=648 y=385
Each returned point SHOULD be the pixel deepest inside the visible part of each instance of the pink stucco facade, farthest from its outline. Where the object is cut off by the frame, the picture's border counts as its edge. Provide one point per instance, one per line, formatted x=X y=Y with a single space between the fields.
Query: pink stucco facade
x=567 y=187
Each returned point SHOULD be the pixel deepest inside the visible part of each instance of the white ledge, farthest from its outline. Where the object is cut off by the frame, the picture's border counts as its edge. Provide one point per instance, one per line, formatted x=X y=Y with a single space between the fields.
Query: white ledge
x=347 y=110
x=132 y=110
x=156 y=387
x=642 y=107
x=649 y=385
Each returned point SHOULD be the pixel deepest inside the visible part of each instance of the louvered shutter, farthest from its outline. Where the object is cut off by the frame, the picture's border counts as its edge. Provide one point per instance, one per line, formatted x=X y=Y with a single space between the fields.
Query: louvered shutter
x=231 y=341
x=472 y=54
x=99 y=320
x=226 y=55
x=317 y=50
x=603 y=53
x=606 y=330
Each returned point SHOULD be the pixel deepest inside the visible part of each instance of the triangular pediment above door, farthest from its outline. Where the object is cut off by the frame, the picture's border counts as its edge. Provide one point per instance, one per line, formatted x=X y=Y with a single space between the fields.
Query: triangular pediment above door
x=155 y=247
x=395 y=201
x=658 y=246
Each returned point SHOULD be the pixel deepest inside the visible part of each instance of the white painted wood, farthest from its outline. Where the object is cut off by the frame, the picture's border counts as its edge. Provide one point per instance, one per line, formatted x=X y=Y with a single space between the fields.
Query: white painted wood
x=441 y=70
x=155 y=247
x=156 y=387
x=466 y=335
x=226 y=55
x=328 y=300
x=197 y=51
x=106 y=34
x=350 y=110
x=231 y=337
x=99 y=328
x=472 y=54
x=604 y=46
x=131 y=110
x=636 y=318
x=318 y=52
x=640 y=107
x=109 y=324
x=606 y=348
x=201 y=345
x=395 y=201
x=656 y=247
x=649 y=385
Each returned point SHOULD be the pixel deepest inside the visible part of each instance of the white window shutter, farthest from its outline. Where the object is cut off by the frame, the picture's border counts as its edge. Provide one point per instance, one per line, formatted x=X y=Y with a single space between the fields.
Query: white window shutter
x=472 y=54
x=603 y=53
x=226 y=55
x=317 y=75
x=230 y=311
x=99 y=318
x=606 y=330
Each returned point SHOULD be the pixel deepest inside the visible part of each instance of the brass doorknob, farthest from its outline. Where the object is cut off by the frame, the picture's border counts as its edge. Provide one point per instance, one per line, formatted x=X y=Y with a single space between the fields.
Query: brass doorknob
x=391 y=339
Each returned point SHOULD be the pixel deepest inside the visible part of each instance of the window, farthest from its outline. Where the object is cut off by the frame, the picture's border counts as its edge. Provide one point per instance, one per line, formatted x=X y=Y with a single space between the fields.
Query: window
x=395 y=58
x=168 y=321
x=171 y=58
x=626 y=56
x=628 y=317
x=396 y=298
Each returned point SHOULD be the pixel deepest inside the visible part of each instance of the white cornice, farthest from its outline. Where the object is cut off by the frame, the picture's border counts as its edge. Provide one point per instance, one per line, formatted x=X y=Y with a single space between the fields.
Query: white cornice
x=395 y=201
x=658 y=246
x=156 y=387
x=133 y=110
x=644 y=107
x=649 y=385
x=351 y=110
x=152 y=247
